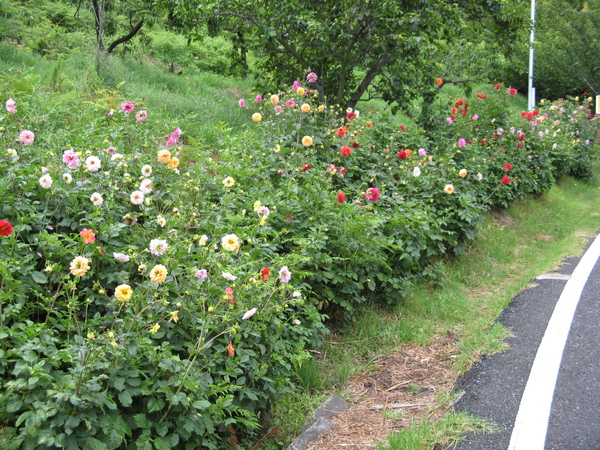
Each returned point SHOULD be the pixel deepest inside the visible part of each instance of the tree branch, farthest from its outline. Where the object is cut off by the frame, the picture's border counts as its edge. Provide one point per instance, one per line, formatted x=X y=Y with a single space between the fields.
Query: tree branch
x=127 y=37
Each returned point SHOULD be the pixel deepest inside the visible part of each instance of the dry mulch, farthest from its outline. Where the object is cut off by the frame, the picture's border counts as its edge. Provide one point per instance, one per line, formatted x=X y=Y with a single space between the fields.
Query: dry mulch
x=405 y=386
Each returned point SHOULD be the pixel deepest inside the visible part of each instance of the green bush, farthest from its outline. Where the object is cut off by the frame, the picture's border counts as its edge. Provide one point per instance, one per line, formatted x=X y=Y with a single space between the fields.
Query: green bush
x=172 y=293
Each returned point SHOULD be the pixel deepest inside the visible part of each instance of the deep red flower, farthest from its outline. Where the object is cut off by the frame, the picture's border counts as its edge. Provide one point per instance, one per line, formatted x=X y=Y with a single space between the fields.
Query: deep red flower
x=505 y=180
x=264 y=273
x=402 y=127
x=343 y=170
x=346 y=150
x=535 y=112
x=5 y=228
x=402 y=154
x=355 y=145
x=497 y=86
x=481 y=96
x=507 y=167
x=459 y=103
x=369 y=124
x=341 y=197
x=524 y=114
x=351 y=116
x=306 y=167
x=342 y=131
x=519 y=145
x=522 y=137
x=511 y=91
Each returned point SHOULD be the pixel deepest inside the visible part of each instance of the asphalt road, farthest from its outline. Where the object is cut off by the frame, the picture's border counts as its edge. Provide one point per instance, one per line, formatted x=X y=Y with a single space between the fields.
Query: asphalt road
x=544 y=392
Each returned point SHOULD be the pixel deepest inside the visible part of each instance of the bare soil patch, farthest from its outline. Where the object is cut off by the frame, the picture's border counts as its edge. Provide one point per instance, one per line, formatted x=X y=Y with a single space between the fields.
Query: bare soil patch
x=405 y=386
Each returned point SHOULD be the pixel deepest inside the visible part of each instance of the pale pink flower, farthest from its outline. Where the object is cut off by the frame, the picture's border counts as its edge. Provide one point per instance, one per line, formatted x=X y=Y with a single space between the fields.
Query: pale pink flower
x=475 y=117
x=44 y=170
x=45 y=181
x=26 y=137
x=422 y=153
x=92 y=163
x=242 y=103
x=462 y=142
x=449 y=120
x=285 y=275
x=202 y=274
x=290 y=103
x=158 y=247
x=171 y=142
x=263 y=211
x=141 y=115
x=111 y=150
x=249 y=314
x=278 y=109
x=479 y=176
x=121 y=257
x=258 y=98
x=228 y=276
x=311 y=77
x=127 y=107
x=70 y=158
x=11 y=106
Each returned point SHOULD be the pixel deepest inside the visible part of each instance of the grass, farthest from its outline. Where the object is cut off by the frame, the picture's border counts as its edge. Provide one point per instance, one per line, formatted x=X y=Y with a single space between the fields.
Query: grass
x=426 y=434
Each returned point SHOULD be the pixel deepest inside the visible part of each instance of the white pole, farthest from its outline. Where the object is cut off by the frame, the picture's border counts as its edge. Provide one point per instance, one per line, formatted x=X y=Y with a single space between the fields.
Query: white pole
x=531 y=98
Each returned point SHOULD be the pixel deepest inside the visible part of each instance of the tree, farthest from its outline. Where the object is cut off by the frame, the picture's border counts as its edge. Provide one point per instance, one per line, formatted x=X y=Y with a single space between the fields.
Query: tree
x=359 y=48
x=567 y=48
x=121 y=20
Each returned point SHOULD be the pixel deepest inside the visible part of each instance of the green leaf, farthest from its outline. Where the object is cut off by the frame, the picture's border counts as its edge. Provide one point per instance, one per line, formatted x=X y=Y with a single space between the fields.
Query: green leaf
x=161 y=429
x=118 y=383
x=163 y=443
x=155 y=404
x=142 y=421
x=94 y=444
x=39 y=277
x=13 y=404
x=201 y=404
x=125 y=398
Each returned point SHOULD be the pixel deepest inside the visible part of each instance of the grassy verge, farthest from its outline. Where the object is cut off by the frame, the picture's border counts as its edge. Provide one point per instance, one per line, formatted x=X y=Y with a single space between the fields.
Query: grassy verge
x=514 y=246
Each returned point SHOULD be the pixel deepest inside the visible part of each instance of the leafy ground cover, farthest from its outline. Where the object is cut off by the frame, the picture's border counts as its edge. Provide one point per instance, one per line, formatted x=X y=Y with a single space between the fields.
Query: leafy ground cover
x=175 y=283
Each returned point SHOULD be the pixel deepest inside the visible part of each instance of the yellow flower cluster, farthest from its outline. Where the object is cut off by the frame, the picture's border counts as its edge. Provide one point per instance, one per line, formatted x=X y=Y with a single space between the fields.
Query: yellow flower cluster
x=123 y=293
x=79 y=266
x=159 y=273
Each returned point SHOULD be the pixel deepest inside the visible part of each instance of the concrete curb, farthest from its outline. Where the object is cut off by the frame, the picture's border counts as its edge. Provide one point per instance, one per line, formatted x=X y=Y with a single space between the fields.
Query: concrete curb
x=319 y=422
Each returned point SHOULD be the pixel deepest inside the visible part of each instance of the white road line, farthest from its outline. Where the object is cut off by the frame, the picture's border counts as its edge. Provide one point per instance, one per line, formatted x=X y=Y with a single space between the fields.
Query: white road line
x=531 y=424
